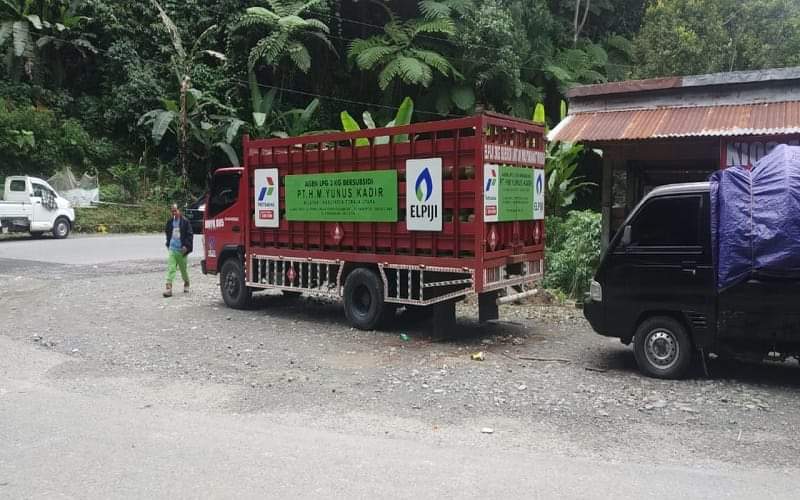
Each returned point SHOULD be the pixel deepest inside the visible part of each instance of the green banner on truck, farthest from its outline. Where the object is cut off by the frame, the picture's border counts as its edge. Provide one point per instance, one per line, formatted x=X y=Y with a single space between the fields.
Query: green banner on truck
x=509 y=193
x=343 y=197
x=516 y=193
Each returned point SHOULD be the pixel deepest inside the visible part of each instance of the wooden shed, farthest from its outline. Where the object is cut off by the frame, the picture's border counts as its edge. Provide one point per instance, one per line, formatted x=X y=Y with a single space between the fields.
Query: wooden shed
x=679 y=129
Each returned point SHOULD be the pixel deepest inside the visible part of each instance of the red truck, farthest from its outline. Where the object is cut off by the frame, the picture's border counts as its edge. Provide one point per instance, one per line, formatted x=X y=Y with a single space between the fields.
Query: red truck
x=419 y=216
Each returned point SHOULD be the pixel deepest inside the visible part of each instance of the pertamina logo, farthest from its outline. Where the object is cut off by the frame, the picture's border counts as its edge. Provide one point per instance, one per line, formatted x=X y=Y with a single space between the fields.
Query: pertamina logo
x=491 y=181
x=539 y=184
x=267 y=190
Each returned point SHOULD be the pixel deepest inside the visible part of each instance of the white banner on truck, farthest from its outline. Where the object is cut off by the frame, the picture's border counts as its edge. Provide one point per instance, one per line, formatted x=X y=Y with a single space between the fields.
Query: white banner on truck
x=538 y=194
x=267 y=211
x=491 y=192
x=424 y=194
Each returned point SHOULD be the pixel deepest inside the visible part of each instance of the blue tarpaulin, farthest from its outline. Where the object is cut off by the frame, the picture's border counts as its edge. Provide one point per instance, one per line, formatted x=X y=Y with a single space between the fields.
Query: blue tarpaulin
x=755 y=219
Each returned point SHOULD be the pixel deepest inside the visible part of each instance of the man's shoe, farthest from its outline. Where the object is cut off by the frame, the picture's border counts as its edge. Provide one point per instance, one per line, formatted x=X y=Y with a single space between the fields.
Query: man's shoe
x=185 y=287
x=168 y=291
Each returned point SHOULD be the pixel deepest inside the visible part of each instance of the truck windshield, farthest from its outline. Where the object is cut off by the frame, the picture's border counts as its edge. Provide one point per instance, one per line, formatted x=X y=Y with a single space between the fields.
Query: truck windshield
x=224 y=192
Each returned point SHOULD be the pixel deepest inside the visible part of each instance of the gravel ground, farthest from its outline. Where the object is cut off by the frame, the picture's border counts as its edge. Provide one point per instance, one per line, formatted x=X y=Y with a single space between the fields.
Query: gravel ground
x=297 y=360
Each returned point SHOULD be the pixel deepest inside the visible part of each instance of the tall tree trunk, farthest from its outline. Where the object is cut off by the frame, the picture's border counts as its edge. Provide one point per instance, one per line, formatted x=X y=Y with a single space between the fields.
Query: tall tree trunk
x=184 y=146
x=579 y=25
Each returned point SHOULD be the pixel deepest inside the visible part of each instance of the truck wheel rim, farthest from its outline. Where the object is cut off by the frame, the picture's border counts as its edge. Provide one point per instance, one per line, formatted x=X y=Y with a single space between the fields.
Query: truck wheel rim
x=362 y=300
x=61 y=228
x=232 y=285
x=661 y=348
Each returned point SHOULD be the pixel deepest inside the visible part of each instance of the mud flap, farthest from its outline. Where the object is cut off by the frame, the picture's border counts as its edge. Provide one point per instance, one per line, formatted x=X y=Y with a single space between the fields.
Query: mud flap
x=487 y=307
x=444 y=319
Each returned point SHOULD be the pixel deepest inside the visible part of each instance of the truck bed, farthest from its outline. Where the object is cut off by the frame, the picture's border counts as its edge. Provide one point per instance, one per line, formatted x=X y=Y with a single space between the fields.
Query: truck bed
x=492 y=250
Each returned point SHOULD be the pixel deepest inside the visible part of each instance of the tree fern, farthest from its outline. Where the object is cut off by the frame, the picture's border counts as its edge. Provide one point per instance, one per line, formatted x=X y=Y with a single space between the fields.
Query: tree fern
x=414 y=71
x=431 y=9
x=299 y=55
x=441 y=26
x=287 y=31
x=317 y=24
x=434 y=60
x=368 y=58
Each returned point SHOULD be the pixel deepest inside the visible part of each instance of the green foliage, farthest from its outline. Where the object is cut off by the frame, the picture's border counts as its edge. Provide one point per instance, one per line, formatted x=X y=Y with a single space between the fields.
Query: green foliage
x=77 y=75
x=147 y=218
x=403 y=117
x=573 y=251
x=129 y=179
x=562 y=183
x=210 y=124
x=286 y=33
x=399 y=55
x=38 y=142
x=684 y=37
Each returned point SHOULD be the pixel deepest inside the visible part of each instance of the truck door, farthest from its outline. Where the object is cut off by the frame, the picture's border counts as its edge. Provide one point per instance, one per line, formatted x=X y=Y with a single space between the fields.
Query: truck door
x=44 y=207
x=223 y=225
x=664 y=268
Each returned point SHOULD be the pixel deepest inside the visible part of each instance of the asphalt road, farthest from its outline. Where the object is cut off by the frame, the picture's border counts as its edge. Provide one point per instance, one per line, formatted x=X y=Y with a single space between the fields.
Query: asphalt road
x=108 y=390
x=90 y=250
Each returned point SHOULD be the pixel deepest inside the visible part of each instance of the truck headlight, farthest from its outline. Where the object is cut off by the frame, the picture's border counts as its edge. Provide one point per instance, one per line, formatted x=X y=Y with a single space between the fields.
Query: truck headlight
x=596 y=291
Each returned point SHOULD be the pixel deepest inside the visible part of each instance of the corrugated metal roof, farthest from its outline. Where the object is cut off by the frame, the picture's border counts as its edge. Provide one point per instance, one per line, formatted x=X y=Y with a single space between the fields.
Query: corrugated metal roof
x=774 y=118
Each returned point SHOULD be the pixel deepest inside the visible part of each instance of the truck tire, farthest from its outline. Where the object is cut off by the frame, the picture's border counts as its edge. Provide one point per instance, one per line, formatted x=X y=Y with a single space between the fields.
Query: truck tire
x=662 y=348
x=363 y=300
x=61 y=228
x=235 y=291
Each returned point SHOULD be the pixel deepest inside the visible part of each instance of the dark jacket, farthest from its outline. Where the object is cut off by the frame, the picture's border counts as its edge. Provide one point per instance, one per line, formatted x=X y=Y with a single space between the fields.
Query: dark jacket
x=187 y=237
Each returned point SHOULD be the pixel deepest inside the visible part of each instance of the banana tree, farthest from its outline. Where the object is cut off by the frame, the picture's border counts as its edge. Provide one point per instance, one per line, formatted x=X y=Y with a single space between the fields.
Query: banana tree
x=210 y=124
x=269 y=121
x=403 y=117
x=562 y=184
x=35 y=27
x=183 y=62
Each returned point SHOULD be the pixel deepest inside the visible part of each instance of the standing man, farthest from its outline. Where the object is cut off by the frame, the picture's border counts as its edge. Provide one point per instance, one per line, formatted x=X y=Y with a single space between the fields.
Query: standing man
x=179 y=244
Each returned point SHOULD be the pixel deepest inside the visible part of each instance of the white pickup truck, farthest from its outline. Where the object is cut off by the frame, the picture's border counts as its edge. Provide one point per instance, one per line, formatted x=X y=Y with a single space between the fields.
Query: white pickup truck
x=30 y=205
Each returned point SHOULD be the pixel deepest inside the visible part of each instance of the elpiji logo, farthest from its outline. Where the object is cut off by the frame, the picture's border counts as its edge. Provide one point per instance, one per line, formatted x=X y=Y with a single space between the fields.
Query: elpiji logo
x=267 y=190
x=424 y=178
x=539 y=184
x=491 y=181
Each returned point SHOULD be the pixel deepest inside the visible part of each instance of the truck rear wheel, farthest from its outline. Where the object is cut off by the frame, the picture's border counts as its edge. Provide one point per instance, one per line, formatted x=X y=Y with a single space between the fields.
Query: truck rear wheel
x=364 y=303
x=61 y=228
x=235 y=291
x=662 y=348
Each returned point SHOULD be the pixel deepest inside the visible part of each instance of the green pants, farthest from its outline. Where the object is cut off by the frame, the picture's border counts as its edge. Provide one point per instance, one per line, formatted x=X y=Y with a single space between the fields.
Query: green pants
x=175 y=261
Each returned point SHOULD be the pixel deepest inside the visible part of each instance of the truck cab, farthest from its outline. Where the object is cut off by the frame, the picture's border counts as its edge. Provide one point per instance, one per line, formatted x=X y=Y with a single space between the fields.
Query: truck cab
x=31 y=205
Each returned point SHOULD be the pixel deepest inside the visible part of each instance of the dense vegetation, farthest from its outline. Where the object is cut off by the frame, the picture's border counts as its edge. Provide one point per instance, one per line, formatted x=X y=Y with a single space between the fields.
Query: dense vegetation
x=147 y=93
x=151 y=95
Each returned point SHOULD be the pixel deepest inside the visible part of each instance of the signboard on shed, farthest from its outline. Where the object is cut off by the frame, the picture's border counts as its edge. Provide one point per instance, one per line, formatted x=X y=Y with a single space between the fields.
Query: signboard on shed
x=342 y=197
x=747 y=151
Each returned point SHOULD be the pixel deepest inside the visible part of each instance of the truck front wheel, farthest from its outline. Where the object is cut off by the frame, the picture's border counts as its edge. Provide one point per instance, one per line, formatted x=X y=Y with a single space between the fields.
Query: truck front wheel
x=235 y=291
x=61 y=228
x=662 y=348
x=364 y=303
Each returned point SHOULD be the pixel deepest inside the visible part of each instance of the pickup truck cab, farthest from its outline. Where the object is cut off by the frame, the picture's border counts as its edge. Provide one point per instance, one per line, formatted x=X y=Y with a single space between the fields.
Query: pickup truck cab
x=656 y=286
x=31 y=205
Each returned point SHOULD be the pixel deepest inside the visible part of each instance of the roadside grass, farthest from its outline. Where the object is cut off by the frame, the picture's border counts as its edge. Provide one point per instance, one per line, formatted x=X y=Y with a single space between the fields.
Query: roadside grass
x=148 y=218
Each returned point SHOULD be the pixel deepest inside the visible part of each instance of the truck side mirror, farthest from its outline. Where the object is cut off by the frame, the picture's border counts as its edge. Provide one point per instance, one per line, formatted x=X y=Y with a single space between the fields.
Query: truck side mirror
x=626 y=236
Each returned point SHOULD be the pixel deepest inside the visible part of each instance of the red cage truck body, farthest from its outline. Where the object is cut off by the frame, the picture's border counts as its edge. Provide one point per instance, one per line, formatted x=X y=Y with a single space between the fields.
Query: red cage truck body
x=420 y=215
